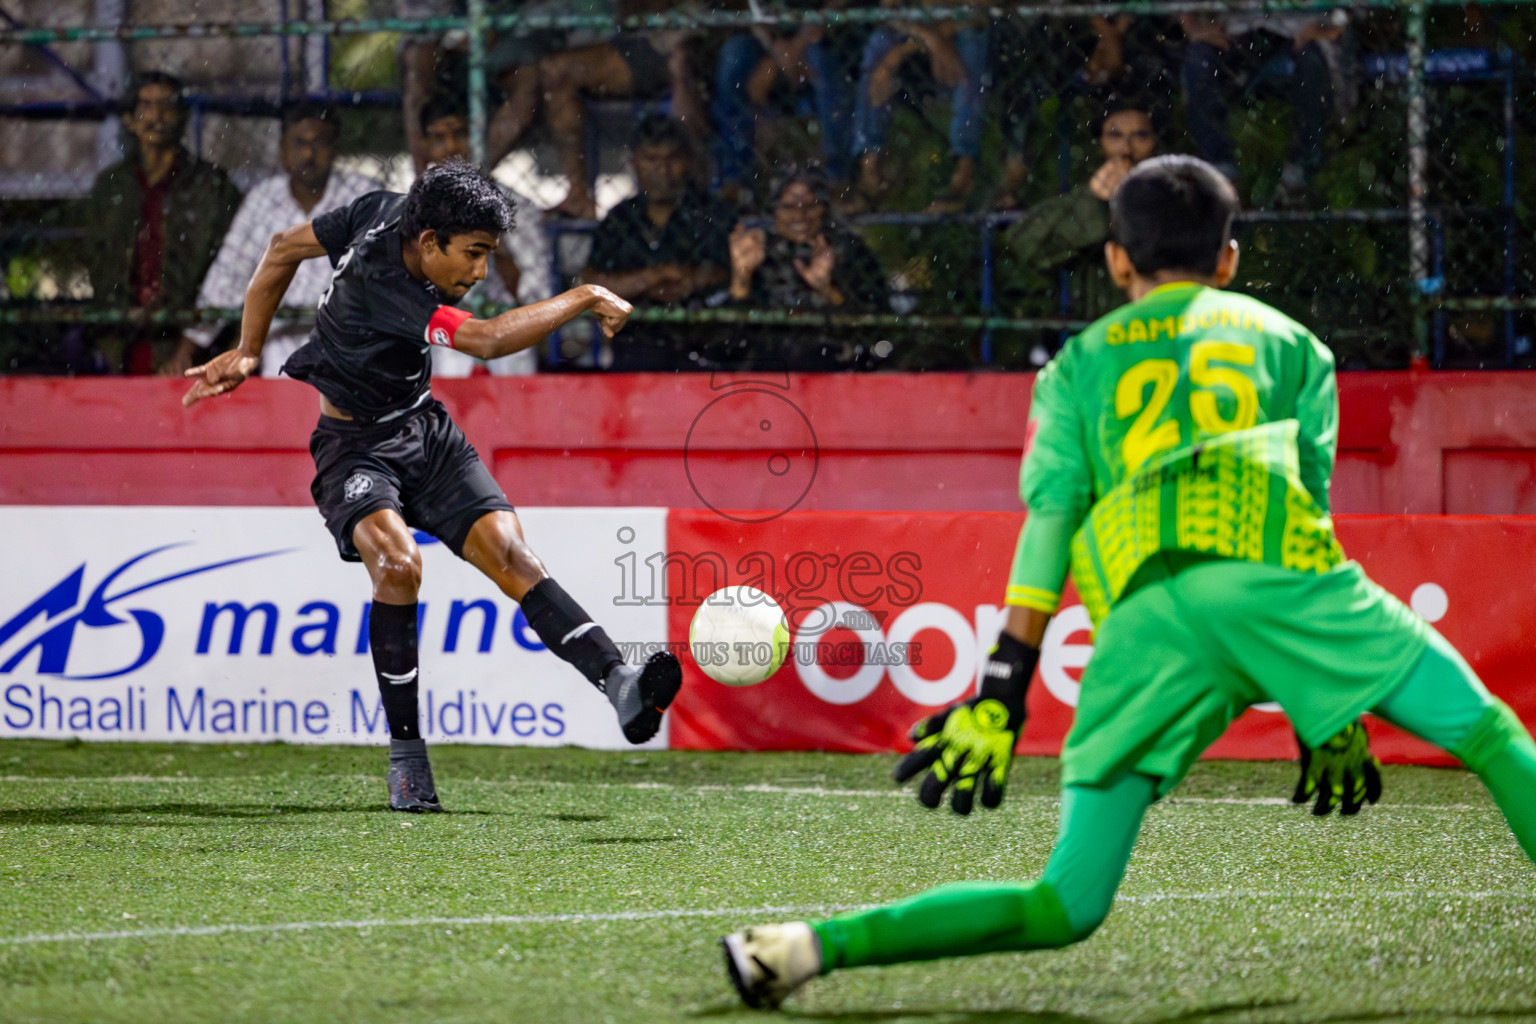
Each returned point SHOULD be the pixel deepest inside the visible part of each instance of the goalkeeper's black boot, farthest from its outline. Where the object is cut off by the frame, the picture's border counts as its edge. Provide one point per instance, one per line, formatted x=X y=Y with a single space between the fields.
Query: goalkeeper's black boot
x=768 y=962
x=640 y=695
x=410 y=778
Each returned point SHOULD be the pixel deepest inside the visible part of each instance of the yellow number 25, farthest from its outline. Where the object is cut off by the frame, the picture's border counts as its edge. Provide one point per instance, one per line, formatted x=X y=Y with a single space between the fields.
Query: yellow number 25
x=1147 y=436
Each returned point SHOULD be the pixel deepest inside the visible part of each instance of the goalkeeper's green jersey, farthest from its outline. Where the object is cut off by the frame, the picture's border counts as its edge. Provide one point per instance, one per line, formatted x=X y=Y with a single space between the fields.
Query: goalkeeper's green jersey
x=1194 y=420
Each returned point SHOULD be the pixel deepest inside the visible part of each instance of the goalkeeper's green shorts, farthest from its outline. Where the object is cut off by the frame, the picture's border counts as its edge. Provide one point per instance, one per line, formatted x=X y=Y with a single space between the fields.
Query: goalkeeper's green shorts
x=1190 y=649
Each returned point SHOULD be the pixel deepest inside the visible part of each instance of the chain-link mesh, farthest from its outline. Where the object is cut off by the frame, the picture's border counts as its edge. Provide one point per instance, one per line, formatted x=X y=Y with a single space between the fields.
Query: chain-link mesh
x=945 y=167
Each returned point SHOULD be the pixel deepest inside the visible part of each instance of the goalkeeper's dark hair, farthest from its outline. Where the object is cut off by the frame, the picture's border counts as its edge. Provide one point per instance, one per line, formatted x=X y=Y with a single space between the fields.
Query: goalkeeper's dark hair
x=455 y=198
x=1173 y=213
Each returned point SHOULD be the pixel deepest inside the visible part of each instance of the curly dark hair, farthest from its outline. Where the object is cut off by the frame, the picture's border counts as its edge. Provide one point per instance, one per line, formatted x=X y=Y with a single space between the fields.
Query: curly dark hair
x=455 y=198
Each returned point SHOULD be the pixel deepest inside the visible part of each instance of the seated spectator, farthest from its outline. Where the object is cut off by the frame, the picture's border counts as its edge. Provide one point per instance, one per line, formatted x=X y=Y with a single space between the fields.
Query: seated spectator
x=522 y=264
x=755 y=68
x=422 y=60
x=1039 y=58
x=669 y=245
x=307 y=188
x=431 y=64
x=1068 y=231
x=806 y=262
x=1243 y=53
x=955 y=55
x=154 y=223
x=641 y=65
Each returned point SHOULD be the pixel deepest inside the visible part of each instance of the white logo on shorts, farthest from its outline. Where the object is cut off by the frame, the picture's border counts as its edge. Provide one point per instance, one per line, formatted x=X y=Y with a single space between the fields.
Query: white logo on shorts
x=440 y=337
x=356 y=486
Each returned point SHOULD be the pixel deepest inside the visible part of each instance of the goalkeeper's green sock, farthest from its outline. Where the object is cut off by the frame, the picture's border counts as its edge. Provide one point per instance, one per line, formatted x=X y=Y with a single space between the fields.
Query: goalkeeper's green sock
x=1510 y=776
x=1098 y=829
x=1444 y=702
x=962 y=919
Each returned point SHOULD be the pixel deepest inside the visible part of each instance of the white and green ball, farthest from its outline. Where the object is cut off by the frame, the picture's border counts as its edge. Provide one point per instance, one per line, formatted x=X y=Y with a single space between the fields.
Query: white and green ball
x=739 y=636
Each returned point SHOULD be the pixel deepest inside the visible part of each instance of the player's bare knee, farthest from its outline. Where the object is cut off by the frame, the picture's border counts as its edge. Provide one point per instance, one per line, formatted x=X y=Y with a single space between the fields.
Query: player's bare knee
x=396 y=575
x=519 y=562
x=394 y=566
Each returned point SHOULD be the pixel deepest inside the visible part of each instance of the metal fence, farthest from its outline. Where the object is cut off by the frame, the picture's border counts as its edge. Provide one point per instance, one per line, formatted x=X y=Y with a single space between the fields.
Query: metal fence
x=1381 y=149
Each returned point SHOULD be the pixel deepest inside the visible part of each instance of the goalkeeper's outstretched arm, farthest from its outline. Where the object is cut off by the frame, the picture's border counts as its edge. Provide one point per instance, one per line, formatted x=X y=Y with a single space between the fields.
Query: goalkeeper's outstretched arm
x=969 y=746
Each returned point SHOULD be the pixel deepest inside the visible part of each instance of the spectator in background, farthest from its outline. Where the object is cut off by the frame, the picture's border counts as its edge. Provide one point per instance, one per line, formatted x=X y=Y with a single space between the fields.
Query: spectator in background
x=431 y=64
x=1067 y=232
x=424 y=59
x=1039 y=58
x=153 y=224
x=641 y=65
x=755 y=66
x=522 y=264
x=955 y=55
x=806 y=262
x=669 y=245
x=1248 y=51
x=307 y=188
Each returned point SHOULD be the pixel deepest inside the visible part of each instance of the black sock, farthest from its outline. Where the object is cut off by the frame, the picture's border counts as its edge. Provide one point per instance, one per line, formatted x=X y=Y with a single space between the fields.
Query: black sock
x=570 y=632
x=392 y=636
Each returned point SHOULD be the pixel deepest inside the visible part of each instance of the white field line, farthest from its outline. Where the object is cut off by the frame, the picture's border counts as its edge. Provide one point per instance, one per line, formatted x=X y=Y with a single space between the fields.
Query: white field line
x=409 y=922
x=900 y=794
x=656 y=915
x=157 y=780
x=1386 y=894
x=821 y=792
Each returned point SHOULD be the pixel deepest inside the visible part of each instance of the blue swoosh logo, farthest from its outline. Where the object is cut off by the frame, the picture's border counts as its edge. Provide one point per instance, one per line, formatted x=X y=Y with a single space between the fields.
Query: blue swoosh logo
x=54 y=644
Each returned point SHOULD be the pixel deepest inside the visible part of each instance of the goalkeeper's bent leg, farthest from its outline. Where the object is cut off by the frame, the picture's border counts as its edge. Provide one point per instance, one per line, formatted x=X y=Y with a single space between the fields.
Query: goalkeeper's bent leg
x=1444 y=702
x=1071 y=898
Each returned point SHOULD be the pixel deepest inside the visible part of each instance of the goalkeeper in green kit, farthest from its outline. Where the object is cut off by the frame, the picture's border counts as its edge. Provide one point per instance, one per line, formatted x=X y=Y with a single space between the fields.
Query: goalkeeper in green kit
x=1177 y=456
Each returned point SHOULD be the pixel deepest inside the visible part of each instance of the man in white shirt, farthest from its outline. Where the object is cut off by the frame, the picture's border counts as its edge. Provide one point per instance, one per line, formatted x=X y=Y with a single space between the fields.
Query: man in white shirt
x=306 y=189
x=523 y=262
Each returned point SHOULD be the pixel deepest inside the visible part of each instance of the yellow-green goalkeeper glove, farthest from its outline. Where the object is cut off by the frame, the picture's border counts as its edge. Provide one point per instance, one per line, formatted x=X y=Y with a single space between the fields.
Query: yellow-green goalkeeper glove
x=1342 y=771
x=971 y=743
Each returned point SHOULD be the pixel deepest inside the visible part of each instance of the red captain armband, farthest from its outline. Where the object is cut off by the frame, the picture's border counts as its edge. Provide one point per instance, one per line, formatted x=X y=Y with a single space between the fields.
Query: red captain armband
x=444 y=324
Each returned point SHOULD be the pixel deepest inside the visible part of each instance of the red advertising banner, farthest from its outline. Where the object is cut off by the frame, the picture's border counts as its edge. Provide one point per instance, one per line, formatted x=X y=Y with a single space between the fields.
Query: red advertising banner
x=892 y=615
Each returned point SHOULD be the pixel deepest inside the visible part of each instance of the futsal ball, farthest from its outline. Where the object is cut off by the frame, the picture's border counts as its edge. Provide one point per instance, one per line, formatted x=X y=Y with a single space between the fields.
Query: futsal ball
x=739 y=636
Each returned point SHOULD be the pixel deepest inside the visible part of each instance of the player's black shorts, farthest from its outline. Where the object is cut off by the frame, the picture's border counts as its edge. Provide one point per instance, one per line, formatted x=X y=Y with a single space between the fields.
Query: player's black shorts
x=420 y=465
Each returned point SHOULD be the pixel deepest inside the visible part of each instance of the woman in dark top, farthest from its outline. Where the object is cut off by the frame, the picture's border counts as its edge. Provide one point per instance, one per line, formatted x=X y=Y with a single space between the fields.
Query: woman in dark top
x=806 y=262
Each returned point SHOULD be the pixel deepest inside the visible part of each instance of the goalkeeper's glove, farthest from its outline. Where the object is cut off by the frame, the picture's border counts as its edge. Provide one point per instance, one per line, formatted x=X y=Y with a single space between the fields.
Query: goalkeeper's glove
x=972 y=742
x=1342 y=771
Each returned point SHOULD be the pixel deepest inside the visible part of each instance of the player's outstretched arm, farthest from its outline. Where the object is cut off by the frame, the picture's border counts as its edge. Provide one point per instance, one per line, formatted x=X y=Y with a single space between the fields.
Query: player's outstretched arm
x=969 y=745
x=525 y=326
x=228 y=370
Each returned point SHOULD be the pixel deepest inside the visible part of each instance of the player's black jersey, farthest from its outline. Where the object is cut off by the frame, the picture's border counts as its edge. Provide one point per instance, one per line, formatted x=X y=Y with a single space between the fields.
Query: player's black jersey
x=370 y=351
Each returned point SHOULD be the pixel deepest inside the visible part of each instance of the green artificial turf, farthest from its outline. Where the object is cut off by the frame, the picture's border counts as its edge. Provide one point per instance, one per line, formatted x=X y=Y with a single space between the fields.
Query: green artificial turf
x=1422 y=909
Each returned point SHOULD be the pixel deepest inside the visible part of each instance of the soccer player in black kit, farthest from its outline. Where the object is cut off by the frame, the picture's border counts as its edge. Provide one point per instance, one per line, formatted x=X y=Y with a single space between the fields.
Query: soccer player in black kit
x=387 y=455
